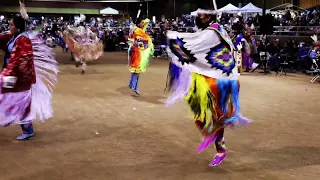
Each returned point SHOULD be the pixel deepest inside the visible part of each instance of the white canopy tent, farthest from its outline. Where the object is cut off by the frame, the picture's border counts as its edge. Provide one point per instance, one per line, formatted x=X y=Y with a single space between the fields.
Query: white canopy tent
x=194 y=13
x=250 y=8
x=109 y=11
x=231 y=9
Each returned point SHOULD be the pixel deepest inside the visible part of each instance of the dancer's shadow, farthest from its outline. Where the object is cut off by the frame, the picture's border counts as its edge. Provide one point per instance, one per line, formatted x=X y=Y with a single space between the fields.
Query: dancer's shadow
x=280 y=159
x=153 y=99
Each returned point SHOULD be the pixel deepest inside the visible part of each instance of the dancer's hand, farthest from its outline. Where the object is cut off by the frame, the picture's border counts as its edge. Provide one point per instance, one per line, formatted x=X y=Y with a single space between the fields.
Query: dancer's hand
x=239 y=46
x=9 y=81
x=23 y=11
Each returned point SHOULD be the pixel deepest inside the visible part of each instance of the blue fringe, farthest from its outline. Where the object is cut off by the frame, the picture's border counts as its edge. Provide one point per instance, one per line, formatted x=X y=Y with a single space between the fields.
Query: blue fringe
x=173 y=75
x=227 y=88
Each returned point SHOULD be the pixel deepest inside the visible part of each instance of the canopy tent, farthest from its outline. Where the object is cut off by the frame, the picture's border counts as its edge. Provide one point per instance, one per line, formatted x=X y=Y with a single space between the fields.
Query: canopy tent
x=250 y=8
x=194 y=13
x=109 y=11
x=231 y=9
x=287 y=6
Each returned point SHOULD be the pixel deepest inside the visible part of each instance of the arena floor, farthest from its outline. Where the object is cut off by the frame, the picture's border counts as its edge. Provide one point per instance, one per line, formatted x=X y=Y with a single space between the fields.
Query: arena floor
x=101 y=131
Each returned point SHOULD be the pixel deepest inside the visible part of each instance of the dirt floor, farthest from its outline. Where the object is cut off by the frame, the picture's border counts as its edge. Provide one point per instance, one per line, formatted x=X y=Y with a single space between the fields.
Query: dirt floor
x=101 y=131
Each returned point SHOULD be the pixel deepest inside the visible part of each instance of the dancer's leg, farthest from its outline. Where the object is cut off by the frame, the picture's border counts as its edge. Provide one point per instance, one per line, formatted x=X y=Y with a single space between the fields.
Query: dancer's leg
x=83 y=66
x=245 y=62
x=27 y=130
x=77 y=61
x=208 y=134
x=220 y=143
x=131 y=80
x=221 y=148
x=135 y=82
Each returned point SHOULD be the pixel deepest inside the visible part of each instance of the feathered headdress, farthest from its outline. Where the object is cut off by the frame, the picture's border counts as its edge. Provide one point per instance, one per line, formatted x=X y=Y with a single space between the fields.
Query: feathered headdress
x=208 y=11
x=145 y=24
x=82 y=18
x=314 y=38
x=316 y=43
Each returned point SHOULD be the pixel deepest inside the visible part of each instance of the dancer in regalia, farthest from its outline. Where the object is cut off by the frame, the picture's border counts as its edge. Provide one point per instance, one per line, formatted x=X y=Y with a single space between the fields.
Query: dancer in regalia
x=204 y=73
x=245 y=47
x=29 y=74
x=140 y=51
x=315 y=56
x=84 y=44
x=249 y=52
x=238 y=44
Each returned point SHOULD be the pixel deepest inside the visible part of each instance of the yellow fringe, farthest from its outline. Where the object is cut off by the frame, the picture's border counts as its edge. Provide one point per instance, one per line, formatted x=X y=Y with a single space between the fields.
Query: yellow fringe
x=201 y=100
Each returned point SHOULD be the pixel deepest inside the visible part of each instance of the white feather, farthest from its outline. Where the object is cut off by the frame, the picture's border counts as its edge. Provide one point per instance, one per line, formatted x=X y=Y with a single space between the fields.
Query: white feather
x=314 y=38
x=82 y=18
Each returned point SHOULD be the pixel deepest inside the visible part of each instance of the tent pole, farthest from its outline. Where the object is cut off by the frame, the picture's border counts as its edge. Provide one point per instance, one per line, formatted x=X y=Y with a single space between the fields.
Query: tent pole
x=174 y=8
x=264 y=7
x=147 y=8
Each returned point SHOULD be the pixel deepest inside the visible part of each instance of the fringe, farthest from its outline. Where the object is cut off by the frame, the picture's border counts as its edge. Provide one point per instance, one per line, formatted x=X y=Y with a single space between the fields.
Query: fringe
x=179 y=81
x=46 y=68
x=201 y=100
x=172 y=76
x=214 y=103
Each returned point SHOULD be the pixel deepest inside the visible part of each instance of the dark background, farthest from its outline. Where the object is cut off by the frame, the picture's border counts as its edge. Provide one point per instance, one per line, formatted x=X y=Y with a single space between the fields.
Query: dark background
x=156 y=7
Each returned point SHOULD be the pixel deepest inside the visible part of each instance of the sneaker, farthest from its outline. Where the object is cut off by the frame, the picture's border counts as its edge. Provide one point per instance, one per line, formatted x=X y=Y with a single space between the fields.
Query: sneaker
x=218 y=158
x=137 y=92
x=25 y=136
x=77 y=64
x=206 y=143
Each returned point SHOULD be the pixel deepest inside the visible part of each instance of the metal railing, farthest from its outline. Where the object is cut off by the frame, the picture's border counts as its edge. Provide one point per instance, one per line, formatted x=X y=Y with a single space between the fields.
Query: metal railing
x=279 y=30
x=294 y=30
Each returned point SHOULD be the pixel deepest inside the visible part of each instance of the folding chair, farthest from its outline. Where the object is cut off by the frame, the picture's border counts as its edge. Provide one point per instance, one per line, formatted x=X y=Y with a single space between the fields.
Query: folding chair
x=163 y=51
x=283 y=65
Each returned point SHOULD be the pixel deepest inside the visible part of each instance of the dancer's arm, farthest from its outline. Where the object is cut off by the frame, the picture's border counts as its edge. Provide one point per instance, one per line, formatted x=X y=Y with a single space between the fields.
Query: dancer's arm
x=18 y=61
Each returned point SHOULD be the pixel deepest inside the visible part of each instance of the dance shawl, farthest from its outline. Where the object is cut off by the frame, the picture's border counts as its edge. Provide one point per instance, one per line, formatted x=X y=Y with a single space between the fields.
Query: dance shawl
x=141 y=48
x=83 y=43
x=204 y=73
x=27 y=81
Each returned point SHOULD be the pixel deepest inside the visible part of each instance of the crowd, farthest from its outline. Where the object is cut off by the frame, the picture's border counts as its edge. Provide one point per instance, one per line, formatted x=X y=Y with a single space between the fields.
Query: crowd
x=114 y=34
